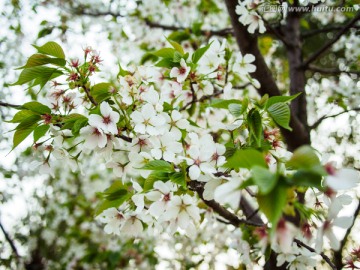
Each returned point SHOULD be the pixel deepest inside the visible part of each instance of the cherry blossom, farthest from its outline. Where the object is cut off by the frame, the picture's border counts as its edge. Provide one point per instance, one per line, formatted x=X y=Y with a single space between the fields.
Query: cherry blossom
x=107 y=121
x=181 y=72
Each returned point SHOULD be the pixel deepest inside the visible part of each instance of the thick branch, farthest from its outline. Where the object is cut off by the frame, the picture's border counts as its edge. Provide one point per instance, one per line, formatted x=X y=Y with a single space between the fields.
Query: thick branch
x=338 y=258
x=328 y=45
x=319 y=121
x=10 y=241
x=326 y=258
x=221 y=211
x=248 y=44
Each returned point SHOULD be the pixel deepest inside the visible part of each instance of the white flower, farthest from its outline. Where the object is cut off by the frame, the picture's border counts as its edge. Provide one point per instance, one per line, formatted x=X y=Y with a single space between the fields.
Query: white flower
x=180 y=73
x=161 y=195
x=183 y=210
x=284 y=235
x=107 y=121
x=332 y=221
x=199 y=162
x=342 y=179
x=151 y=96
x=147 y=121
x=133 y=225
x=243 y=64
x=166 y=146
x=114 y=220
x=177 y=122
x=94 y=137
x=229 y=192
x=119 y=164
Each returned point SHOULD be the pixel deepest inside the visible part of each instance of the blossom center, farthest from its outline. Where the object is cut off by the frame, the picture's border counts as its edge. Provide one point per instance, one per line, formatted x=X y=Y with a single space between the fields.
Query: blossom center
x=107 y=119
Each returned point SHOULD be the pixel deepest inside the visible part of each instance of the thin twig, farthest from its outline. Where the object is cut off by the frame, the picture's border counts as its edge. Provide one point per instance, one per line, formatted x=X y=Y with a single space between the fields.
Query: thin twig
x=4 y=104
x=90 y=97
x=314 y=32
x=331 y=71
x=319 y=121
x=324 y=48
x=326 y=258
x=9 y=240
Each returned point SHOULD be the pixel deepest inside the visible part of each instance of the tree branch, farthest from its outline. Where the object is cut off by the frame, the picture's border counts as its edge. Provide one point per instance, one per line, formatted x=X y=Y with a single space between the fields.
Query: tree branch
x=338 y=254
x=10 y=241
x=328 y=45
x=221 y=211
x=319 y=121
x=314 y=32
x=331 y=71
x=326 y=258
x=4 y=104
x=248 y=44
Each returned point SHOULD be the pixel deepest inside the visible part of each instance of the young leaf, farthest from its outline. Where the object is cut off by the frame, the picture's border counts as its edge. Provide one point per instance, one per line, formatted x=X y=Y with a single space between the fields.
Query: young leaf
x=100 y=91
x=41 y=59
x=280 y=113
x=235 y=109
x=51 y=48
x=21 y=115
x=199 y=53
x=264 y=179
x=176 y=46
x=165 y=53
x=277 y=99
x=303 y=158
x=37 y=107
x=21 y=134
x=223 y=103
x=273 y=203
x=179 y=178
x=255 y=126
x=246 y=158
x=40 y=131
x=158 y=165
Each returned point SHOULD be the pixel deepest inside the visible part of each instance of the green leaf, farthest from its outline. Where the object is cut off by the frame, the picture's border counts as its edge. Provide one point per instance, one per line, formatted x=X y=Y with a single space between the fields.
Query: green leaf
x=40 y=73
x=223 y=103
x=255 y=126
x=21 y=115
x=40 y=131
x=37 y=107
x=41 y=59
x=78 y=124
x=179 y=178
x=177 y=57
x=272 y=204
x=166 y=62
x=277 y=99
x=246 y=158
x=176 y=46
x=280 y=113
x=51 y=48
x=100 y=91
x=179 y=36
x=303 y=158
x=155 y=176
x=71 y=119
x=29 y=121
x=264 y=179
x=199 y=53
x=158 y=165
x=122 y=72
x=307 y=179
x=235 y=109
x=22 y=134
x=165 y=53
